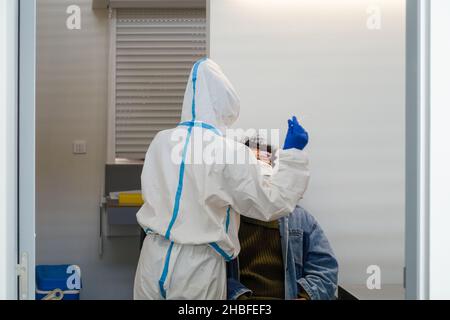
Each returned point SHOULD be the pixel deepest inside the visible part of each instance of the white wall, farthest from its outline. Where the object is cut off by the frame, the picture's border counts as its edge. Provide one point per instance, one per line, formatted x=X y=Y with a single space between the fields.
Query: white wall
x=318 y=60
x=8 y=148
x=72 y=69
x=439 y=151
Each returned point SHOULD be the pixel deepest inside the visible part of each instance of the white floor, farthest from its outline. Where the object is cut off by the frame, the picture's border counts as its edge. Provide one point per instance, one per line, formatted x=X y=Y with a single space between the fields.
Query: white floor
x=387 y=292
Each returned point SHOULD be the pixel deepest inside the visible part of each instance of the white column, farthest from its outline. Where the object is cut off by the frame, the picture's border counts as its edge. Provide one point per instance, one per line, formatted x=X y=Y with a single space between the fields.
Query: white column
x=8 y=148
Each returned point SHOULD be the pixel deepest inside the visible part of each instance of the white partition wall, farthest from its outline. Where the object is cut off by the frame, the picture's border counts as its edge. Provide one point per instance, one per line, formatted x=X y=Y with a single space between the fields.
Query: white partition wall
x=340 y=67
x=439 y=150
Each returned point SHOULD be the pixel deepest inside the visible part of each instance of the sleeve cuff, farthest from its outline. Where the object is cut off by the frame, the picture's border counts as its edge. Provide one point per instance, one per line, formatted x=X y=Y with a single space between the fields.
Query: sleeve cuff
x=305 y=287
x=237 y=289
x=240 y=294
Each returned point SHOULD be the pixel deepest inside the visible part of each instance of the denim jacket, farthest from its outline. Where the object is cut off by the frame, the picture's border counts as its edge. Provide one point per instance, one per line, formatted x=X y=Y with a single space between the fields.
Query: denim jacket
x=309 y=261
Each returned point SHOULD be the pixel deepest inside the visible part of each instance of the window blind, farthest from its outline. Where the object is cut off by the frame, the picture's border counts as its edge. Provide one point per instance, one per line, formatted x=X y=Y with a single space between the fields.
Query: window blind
x=155 y=50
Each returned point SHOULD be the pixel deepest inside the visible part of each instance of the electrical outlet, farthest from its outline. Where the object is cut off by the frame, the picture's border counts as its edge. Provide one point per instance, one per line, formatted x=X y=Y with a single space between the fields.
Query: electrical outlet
x=79 y=147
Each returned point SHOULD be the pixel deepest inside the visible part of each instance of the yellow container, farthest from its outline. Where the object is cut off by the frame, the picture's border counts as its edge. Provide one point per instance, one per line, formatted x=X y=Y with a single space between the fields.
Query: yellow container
x=130 y=199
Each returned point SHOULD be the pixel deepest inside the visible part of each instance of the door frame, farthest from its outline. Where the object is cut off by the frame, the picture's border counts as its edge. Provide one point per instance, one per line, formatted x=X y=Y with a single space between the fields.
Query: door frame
x=8 y=147
x=26 y=149
x=417 y=168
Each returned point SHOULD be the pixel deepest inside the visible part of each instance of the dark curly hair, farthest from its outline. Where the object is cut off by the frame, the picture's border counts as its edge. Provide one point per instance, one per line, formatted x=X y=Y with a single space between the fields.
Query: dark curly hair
x=258 y=143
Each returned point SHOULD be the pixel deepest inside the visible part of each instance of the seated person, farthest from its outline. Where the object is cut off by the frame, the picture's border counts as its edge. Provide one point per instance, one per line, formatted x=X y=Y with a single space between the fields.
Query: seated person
x=286 y=259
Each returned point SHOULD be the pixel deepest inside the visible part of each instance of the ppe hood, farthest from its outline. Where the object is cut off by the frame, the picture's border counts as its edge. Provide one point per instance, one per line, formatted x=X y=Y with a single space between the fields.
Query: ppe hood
x=210 y=97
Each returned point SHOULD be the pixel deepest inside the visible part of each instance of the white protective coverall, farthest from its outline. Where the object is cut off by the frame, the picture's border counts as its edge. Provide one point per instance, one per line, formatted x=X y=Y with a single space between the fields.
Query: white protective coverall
x=191 y=209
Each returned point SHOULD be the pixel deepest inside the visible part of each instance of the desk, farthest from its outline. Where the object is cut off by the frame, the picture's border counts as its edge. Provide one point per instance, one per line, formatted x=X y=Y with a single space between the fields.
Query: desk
x=120 y=215
x=118 y=221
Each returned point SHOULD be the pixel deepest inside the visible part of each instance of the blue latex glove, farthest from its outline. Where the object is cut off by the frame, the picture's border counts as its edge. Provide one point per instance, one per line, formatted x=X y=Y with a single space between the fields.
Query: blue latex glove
x=296 y=136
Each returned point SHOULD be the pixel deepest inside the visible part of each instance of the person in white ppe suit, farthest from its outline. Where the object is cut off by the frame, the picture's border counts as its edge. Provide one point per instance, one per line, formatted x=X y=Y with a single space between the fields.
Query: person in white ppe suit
x=191 y=210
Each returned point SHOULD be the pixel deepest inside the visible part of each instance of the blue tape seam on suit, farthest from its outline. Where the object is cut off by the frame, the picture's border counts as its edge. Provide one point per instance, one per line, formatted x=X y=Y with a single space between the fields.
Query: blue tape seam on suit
x=162 y=280
x=216 y=247
x=227 y=222
x=176 y=207
x=200 y=125
x=194 y=85
x=190 y=125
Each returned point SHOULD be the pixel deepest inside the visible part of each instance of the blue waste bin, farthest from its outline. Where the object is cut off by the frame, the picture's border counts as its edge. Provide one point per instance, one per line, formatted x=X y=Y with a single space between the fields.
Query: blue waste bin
x=58 y=282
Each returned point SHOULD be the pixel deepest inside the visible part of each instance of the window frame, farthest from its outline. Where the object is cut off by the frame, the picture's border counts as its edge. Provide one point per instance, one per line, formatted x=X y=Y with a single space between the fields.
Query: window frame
x=111 y=154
